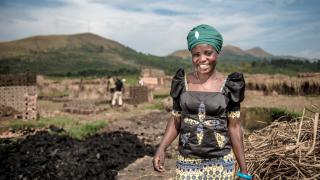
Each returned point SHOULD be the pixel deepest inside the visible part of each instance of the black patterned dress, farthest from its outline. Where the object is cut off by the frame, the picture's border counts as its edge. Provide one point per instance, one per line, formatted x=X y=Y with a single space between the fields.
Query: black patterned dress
x=205 y=150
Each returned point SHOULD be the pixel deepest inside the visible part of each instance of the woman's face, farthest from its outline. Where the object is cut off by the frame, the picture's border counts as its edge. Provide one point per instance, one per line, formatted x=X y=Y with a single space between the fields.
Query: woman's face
x=204 y=58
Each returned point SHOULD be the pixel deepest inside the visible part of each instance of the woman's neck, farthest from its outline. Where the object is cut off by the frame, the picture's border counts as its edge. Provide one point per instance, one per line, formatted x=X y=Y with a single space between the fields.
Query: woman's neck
x=204 y=77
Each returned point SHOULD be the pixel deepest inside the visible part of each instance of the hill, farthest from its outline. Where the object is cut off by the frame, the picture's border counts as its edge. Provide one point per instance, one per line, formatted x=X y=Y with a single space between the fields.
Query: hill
x=79 y=54
x=257 y=60
x=234 y=50
x=258 y=52
x=231 y=53
x=40 y=44
x=92 y=55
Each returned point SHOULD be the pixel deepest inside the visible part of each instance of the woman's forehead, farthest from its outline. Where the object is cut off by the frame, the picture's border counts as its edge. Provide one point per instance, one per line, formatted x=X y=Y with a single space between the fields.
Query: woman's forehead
x=202 y=47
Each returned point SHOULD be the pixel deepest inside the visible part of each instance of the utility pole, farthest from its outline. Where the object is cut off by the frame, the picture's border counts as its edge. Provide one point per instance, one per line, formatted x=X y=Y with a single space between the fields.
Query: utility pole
x=88 y=26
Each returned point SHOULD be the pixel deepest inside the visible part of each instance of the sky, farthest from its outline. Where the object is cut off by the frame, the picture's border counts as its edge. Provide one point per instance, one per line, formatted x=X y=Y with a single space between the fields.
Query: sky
x=281 y=27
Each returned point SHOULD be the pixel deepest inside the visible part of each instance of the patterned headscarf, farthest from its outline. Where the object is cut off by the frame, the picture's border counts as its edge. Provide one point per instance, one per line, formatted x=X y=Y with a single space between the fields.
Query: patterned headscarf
x=205 y=34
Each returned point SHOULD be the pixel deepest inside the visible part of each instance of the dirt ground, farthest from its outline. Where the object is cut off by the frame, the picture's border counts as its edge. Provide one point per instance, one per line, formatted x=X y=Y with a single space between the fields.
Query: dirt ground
x=150 y=129
x=123 y=149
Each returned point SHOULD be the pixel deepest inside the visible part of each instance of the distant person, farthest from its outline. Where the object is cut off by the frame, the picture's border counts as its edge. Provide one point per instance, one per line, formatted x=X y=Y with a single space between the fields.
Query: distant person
x=141 y=83
x=206 y=115
x=111 y=86
x=118 y=94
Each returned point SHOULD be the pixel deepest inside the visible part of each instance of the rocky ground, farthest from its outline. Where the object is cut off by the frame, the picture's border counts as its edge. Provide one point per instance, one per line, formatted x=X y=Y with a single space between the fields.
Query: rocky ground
x=123 y=150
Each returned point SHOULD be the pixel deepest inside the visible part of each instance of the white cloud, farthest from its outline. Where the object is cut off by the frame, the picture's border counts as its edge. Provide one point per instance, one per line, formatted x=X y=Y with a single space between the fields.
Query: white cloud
x=136 y=24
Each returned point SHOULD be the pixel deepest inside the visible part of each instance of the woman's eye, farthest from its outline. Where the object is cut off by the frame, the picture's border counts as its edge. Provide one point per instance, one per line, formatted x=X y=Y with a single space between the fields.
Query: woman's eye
x=195 y=55
x=208 y=53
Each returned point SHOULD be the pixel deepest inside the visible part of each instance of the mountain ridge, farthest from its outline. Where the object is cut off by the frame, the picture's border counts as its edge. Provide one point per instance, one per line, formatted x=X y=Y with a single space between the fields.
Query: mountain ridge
x=53 y=42
x=229 y=50
x=87 y=54
x=78 y=54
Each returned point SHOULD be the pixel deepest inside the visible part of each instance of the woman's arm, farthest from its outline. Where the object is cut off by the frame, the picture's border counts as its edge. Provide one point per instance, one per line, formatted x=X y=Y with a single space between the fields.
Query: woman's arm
x=172 y=131
x=236 y=135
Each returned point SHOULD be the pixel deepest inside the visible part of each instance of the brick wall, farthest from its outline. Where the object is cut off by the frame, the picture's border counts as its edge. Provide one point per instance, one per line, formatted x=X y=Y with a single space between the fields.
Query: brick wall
x=20 y=92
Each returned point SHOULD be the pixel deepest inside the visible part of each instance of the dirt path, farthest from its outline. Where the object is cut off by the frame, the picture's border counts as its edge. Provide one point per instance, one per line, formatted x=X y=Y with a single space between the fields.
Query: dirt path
x=150 y=129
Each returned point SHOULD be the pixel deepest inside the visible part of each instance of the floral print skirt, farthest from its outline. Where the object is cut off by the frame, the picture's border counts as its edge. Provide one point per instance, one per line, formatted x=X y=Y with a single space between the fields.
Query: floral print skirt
x=213 y=168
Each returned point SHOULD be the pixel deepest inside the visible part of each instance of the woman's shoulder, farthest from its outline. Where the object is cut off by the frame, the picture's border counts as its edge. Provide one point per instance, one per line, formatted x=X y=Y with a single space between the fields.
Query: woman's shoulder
x=178 y=83
x=179 y=75
x=235 y=76
x=235 y=86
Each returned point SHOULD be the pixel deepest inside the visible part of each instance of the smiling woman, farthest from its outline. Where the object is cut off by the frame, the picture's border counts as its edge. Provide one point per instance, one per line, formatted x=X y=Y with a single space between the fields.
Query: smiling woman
x=206 y=112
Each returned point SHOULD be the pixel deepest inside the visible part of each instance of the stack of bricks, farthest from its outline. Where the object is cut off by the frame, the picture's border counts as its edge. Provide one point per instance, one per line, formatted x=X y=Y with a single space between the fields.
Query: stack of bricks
x=20 y=92
x=30 y=108
x=139 y=94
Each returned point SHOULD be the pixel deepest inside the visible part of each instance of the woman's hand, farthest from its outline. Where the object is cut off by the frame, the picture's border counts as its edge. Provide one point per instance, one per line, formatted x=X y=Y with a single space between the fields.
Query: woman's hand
x=158 y=160
x=172 y=131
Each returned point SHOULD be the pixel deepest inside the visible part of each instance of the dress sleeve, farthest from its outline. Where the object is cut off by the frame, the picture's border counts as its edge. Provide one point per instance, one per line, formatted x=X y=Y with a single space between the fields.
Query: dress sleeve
x=235 y=87
x=177 y=86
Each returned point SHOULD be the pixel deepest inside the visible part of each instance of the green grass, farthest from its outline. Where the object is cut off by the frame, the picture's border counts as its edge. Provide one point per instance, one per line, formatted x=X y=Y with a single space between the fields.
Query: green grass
x=272 y=113
x=154 y=106
x=161 y=96
x=19 y=125
x=259 y=117
x=87 y=129
x=131 y=79
x=71 y=126
x=277 y=113
x=55 y=94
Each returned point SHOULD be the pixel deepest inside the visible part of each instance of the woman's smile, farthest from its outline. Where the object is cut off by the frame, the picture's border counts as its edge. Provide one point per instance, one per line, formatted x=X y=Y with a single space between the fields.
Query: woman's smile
x=204 y=66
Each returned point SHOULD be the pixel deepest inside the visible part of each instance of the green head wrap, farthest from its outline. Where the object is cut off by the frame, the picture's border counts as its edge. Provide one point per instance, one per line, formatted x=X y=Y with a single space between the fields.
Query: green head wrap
x=205 y=34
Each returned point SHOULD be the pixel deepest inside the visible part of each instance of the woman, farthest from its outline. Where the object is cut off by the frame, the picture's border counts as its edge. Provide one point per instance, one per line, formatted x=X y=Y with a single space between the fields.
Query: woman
x=206 y=112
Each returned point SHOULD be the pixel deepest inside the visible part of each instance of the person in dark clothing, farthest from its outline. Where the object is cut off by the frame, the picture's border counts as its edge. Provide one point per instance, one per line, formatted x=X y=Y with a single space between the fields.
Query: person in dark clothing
x=117 y=96
x=206 y=115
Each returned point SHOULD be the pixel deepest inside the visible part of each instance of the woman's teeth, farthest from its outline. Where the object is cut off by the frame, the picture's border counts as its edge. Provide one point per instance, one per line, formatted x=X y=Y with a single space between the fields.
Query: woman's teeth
x=204 y=66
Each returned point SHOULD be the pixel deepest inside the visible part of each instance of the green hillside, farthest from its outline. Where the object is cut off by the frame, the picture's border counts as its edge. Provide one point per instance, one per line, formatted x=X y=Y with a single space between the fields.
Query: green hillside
x=256 y=60
x=92 y=55
x=78 y=55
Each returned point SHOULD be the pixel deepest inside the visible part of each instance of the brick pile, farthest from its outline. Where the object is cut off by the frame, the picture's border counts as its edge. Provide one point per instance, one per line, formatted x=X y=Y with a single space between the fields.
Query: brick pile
x=139 y=94
x=20 y=92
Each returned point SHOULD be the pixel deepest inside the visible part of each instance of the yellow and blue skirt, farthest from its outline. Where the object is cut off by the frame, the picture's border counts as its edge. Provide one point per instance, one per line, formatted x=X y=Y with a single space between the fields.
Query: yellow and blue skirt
x=213 y=168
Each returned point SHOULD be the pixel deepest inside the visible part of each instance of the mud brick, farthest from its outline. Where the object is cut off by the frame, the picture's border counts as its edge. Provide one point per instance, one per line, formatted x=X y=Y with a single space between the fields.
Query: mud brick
x=139 y=94
x=22 y=98
x=23 y=79
x=29 y=115
x=30 y=108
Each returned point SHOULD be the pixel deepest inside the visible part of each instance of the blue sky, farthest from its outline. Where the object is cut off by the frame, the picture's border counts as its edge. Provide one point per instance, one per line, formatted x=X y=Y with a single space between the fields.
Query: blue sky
x=281 y=27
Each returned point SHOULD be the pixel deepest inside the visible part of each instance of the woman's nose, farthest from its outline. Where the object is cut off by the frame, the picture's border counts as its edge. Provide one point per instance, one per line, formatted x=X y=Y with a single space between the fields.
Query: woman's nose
x=203 y=58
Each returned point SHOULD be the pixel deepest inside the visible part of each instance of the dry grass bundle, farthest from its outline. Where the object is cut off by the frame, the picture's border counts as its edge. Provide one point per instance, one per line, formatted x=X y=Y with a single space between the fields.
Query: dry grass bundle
x=281 y=84
x=286 y=150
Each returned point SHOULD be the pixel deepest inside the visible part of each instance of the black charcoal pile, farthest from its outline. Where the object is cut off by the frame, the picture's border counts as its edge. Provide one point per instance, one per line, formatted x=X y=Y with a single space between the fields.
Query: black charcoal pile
x=51 y=156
